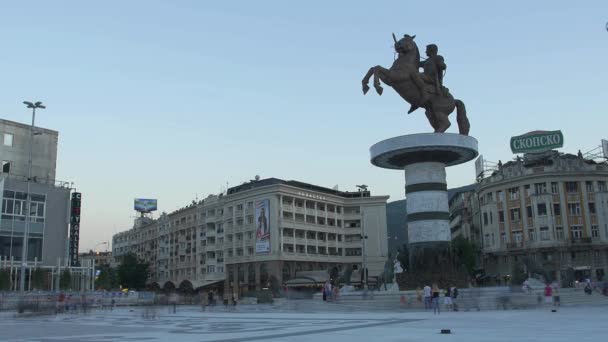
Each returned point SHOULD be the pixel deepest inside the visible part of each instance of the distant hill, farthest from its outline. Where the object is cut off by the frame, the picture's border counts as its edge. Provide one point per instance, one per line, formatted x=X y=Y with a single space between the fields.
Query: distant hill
x=396 y=219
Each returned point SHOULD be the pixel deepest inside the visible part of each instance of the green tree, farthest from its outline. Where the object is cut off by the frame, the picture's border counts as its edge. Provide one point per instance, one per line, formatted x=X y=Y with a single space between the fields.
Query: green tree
x=5 y=280
x=465 y=253
x=65 y=281
x=38 y=279
x=132 y=273
x=107 y=279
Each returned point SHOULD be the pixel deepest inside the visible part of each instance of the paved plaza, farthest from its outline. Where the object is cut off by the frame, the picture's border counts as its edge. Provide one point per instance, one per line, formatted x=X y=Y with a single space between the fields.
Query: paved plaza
x=308 y=321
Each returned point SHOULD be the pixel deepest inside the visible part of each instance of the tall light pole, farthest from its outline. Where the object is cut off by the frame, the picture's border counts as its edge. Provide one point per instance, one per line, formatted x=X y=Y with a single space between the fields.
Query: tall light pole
x=33 y=106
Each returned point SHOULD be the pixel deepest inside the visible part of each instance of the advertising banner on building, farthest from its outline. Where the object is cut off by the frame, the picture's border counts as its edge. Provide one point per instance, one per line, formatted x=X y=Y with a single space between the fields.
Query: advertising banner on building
x=76 y=203
x=145 y=205
x=262 y=224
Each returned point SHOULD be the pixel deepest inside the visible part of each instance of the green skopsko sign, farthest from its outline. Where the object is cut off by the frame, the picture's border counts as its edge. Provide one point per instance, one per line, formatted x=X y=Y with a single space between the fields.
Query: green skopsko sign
x=537 y=141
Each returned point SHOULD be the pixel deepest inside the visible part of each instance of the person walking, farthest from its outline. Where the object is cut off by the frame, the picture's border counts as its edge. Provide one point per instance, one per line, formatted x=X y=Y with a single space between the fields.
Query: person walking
x=427 y=297
x=454 y=293
x=447 y=298
x=548 y=294
x=435 y=300
x=556 y=299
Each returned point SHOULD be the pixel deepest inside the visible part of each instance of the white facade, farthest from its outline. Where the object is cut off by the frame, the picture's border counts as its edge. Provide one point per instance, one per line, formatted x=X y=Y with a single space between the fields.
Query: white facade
x=310 y=227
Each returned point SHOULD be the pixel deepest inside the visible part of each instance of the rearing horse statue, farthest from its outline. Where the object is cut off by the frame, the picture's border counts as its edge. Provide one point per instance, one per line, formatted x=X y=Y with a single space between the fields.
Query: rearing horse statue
x=404 y=76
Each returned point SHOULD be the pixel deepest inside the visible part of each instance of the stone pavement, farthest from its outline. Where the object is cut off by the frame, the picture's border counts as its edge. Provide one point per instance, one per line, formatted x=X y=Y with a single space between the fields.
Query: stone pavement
x=308 y=323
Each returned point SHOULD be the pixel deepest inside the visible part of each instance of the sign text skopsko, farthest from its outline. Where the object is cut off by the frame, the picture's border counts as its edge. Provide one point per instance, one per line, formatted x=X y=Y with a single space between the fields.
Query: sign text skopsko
x=536 y=142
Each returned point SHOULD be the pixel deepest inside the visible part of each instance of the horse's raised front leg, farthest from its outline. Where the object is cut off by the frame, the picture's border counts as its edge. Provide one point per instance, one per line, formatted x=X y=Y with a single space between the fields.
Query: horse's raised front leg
x=366 y=80
x=381 y=73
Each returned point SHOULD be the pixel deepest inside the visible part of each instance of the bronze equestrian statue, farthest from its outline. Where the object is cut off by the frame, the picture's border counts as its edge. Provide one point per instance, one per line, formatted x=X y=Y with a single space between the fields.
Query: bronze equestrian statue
x=420 y=90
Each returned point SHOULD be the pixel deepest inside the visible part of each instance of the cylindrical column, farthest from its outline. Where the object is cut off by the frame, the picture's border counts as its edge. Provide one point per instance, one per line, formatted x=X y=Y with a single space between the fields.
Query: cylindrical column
x=427 y=204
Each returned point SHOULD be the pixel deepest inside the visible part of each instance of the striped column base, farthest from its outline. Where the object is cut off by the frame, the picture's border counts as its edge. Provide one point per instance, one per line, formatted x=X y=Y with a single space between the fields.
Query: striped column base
x=427 y=203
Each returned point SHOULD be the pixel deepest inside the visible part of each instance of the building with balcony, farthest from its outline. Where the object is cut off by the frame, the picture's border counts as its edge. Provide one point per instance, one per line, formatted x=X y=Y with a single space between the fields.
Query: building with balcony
x=550 y=209
x=257 y=232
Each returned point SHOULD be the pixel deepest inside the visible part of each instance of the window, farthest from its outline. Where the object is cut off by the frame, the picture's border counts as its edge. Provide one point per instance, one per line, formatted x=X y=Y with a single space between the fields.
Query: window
x=529 y=211
x=544 y=233
x=491 y=220
x=531 y=235
x=503 y=238
x=554 y=188
x=239 y=207
x=485 y=219
x=514 y=193
x=6 y=166
x=601 y=186
x=557 y=211
x=8 y=139
x=540 y=188
x=250 y=219
x=594 y=231
x=589 y=186
x=574 y=209
x=515 y=214
x=527 y=190
x=576 y=232
x=592 y=208
x=210 y=268
x=500 y=195
x=559 y=233
x=571 y=187
x=250 y=250
x=542 y=209
x=501 y=216
x=517 y=236
x=487 y=239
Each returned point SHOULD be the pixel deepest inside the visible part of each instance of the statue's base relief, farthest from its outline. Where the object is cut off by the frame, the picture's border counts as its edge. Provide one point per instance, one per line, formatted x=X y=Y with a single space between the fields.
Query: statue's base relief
x=424 y=158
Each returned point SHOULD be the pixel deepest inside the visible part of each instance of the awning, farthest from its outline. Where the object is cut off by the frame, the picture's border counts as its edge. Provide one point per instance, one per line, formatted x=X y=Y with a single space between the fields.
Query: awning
x=197 y=284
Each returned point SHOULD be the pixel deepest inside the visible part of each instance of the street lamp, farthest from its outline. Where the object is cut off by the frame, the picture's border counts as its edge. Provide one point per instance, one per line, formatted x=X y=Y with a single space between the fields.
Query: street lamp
x=33 y=106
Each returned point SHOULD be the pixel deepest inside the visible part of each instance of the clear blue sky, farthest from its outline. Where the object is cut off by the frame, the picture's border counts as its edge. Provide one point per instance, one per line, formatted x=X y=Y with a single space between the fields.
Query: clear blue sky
x=172 y=99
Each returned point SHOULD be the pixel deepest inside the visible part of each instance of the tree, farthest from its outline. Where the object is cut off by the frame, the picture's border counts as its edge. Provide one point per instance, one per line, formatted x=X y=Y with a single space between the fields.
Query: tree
x=65 y=281
x=132 y=273
x=107 y=279
x=5 y=280
x=38 y=279
x=465 y=252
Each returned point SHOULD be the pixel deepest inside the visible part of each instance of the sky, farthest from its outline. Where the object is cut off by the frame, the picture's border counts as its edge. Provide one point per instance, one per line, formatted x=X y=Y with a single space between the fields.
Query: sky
x=177 y=99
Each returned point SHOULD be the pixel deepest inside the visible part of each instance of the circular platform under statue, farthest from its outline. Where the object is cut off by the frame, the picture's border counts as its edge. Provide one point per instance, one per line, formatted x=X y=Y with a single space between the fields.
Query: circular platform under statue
x=446 y=148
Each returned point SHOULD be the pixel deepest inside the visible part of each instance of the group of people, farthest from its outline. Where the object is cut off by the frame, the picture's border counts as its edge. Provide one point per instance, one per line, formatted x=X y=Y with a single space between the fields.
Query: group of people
x=432 y=298
x=330 y=292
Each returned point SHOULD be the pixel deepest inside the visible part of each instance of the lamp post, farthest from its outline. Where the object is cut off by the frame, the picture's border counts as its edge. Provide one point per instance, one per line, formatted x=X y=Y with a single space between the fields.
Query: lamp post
x=33 y=106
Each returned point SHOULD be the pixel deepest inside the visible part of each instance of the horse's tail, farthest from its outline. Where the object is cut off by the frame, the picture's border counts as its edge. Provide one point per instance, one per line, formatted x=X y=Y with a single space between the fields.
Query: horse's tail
x=461 y=118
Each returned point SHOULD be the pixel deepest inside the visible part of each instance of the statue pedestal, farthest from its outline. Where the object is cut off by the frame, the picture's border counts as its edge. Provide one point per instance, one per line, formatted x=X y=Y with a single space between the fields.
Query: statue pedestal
x=424 y=158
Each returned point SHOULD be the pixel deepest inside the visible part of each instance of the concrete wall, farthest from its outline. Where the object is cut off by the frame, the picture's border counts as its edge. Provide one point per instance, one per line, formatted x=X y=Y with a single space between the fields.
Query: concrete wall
x=44 y=153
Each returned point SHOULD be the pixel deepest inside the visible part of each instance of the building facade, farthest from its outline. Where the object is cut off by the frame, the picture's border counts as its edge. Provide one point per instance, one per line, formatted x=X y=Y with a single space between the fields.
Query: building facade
x=49 y=212
x=261 y=231
x=549 y=210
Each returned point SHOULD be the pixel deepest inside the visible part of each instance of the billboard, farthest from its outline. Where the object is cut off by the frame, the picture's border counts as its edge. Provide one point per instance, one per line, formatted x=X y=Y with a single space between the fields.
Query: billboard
x=144 y=205
x=537 y=141
x=262 y=224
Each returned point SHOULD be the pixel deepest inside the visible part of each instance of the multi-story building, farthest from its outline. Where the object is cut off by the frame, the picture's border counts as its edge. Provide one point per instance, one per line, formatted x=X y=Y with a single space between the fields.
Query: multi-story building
x=551 y=208
x=99 y=259
x=50 y=200
x=465 y=218
x=49 y=211
x=258 y=230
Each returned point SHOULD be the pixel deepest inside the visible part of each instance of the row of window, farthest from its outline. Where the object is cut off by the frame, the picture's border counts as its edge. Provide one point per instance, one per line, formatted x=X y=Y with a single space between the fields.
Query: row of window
x=545 y=234
x=541 y=188
x=574 y=209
